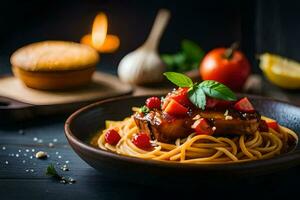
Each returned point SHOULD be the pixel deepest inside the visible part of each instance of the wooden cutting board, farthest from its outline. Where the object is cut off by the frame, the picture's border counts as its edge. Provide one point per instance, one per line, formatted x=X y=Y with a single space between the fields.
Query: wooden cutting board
x=18 y=102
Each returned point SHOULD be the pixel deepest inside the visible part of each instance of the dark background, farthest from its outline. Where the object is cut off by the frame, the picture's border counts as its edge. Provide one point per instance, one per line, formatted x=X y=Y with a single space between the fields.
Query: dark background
x=259 y=25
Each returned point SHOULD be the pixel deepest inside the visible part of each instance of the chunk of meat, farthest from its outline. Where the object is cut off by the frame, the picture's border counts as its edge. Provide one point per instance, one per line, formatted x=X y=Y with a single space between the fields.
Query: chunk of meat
x=165 y=128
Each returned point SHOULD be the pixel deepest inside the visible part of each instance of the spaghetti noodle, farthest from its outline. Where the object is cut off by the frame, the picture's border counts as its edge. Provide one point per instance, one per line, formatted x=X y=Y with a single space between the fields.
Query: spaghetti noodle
x=202 y=149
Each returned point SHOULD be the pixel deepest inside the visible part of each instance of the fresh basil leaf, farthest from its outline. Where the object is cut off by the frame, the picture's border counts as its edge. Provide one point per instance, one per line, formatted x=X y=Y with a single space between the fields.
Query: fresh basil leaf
x=217 y=90
x=168 y=59
x=176 y=62
x=179 y=79
x=192 y=51
x=179 y=58
x=197 y=97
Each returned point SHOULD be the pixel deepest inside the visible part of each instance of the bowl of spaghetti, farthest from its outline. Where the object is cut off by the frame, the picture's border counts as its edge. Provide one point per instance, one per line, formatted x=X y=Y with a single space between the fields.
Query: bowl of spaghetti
x=184 y=136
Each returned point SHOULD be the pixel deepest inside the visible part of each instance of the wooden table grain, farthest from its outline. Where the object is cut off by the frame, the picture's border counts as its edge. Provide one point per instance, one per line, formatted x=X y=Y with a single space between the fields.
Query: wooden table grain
x=22 y=176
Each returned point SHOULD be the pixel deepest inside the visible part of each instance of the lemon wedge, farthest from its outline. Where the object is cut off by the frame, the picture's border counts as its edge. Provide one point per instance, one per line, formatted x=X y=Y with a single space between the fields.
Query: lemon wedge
x=281 y=71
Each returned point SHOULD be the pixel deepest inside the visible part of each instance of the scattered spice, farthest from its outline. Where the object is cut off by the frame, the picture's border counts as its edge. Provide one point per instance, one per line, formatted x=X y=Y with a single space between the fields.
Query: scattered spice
x=51 y=171
x=228 y=117
x=226 y=113
x=65 y=168
x=197 y=117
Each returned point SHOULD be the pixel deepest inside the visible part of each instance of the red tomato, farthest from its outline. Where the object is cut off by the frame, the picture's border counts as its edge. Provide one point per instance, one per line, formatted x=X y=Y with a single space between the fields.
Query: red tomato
x=141 y=140
x=232 y=71
x=153 y=102
x=176 y=109
x=273 y=125
x=112 y=137
x=244 y=105
x=202 y=127
x=180 y=95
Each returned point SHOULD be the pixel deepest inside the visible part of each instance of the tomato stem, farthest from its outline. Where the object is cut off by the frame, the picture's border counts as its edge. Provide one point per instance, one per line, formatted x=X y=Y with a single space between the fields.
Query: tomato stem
x=229 y=52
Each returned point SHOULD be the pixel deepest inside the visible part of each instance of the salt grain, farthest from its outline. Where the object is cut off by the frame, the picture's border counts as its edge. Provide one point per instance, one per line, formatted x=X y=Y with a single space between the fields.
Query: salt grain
x=56 y=153
x=33 y=150
x=3 y=148
x=51 y=145
x=55 y=140
x=65 y=168
x=40 y=141
x=6 y=162
x=27 y=150
x=23 y=161
x=35 y=139
x=59 y=157
x=17 y=155
x=71 y=180
x=67 y=161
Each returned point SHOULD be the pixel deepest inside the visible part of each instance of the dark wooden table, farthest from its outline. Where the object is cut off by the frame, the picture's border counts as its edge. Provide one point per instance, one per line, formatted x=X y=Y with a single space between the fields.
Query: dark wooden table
x=22 y=176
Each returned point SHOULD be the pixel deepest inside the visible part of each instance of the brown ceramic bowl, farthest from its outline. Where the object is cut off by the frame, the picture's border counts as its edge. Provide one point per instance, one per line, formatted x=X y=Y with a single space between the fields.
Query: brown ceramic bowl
x=86 y=122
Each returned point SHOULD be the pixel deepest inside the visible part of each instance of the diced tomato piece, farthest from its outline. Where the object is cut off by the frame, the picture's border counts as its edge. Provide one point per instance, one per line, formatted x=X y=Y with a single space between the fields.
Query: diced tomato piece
x=244 y=105
x=263 y=126
x=142 y=141
x=180 y=95
x=273 y=125
x=112 y=137
x=202 y=127
x=216 y=103
x=176 y=109
x=153 y=102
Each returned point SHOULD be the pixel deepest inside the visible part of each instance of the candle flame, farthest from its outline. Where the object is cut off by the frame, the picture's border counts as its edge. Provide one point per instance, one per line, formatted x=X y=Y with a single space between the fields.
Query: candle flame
x=99 y=30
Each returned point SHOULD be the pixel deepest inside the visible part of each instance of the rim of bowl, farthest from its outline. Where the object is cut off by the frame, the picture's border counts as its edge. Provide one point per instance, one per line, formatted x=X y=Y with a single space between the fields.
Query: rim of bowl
x=283 y=158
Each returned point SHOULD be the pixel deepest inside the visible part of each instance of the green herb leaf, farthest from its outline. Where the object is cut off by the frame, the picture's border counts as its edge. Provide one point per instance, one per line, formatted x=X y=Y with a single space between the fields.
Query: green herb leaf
x=179 y=79
x=217 y=90
x=197 y=97
x=144 y=109
x=51 y=171
x=176 y=62
x=188 y=58
x=192 y=51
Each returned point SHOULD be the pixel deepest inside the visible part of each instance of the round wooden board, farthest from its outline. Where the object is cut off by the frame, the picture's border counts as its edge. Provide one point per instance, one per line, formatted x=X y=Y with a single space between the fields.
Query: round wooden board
x=18 y=102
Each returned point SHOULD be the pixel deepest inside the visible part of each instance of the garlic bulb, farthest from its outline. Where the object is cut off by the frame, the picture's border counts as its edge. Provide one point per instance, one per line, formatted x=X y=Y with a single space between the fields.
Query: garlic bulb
x=141 y=67
x=144 y=65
